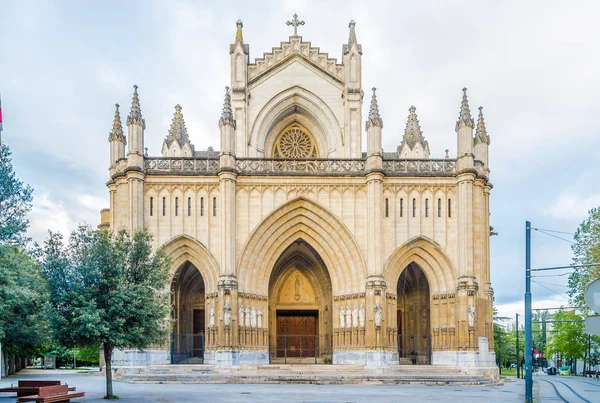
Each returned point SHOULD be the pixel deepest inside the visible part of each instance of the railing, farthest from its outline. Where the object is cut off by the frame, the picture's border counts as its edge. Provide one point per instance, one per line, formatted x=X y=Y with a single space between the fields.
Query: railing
x=317 y=166
x=182 y=166
x=299 y=167
x=303 y=347
x=414 y=348
x=187 y=348
x=428 y=167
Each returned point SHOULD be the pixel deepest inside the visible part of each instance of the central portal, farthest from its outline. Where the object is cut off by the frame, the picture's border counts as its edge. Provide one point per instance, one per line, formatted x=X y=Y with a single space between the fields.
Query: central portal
x=300 y=321
x=297 y=334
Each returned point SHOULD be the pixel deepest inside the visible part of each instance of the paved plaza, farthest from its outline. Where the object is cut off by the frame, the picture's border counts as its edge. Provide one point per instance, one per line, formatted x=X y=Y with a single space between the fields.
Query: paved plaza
x=94 y=387
x=571 y=389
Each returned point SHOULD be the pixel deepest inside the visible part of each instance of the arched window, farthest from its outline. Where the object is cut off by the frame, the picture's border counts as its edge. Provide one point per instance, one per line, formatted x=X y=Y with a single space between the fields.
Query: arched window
x=151 y=206
x=426 y=207
x=202 y=207
x=439 y=207
x=387 y=208
x=401 y=207
x=214 y=206
x=189 y=206
x=449 y=207
x=164 y=206
x=414 y=207
x=177 y=206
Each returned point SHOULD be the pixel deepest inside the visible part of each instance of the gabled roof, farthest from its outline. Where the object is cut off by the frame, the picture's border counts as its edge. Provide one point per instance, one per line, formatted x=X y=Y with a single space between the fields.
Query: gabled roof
x=295 y=47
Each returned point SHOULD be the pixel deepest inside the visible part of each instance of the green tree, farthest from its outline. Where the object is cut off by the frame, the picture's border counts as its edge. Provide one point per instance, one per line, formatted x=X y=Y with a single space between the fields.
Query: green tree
x=586 y=250
x=22 y=299
x=22 y=296
x=107 y=290
x=15 y=202
x=568 y=338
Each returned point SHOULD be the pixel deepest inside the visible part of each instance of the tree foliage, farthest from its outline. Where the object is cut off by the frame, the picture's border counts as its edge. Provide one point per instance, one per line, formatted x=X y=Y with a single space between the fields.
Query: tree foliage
x=22 y=299
x=15 y=202
x=586 y=250
x=23 y=327
x=568 y=338
x=106 y=290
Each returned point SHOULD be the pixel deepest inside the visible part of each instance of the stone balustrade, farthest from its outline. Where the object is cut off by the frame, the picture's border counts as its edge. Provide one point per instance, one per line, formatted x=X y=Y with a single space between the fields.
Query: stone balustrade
x=300 y=167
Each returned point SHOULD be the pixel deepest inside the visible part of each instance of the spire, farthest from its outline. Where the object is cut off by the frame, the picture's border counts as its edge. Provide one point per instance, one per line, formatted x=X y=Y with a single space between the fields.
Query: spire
x=117 y=129
x=352 y=36
x=239 y=38
x=465 y=113
x=412 y=132
x=351 y=39
x=374 y=118
x=135 y=115
x=481 y=133
x=178 y=131
x=227 y=113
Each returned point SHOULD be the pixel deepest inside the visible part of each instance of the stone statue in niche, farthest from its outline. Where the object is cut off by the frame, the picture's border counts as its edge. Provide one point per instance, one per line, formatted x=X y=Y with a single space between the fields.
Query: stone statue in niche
x=355 y=316
x=253 y=317
x=211 y=316
x=342 y=315
x=471 y=311
x=361 y=316
x=349 y=317
x=241 y=315
x=378 y=315
x=227 y=314
x=247 y=312
x=259 y=315
x=297 y=289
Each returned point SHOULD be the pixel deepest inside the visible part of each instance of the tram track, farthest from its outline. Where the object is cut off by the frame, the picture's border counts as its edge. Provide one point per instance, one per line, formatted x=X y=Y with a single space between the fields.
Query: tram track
x=561 y=396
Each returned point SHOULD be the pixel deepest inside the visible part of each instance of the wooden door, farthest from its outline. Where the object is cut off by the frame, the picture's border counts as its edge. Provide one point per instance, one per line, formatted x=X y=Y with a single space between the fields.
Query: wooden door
x=296 y=335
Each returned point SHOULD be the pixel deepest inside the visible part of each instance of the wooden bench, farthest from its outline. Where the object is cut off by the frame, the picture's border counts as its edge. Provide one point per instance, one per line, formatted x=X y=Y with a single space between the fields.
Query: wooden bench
x=52 y=394
x=26 y=388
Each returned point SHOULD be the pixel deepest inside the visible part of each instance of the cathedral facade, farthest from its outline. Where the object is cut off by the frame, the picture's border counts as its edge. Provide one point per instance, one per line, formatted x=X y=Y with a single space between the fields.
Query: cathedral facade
x=292 y=244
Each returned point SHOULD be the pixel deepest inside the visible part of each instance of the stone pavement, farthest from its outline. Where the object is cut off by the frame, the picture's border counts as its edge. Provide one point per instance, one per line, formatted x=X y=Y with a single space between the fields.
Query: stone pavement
x=94 y=386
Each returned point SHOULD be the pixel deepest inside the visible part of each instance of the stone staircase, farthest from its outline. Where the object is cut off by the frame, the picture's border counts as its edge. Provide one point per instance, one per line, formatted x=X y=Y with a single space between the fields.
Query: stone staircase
x=304 y=374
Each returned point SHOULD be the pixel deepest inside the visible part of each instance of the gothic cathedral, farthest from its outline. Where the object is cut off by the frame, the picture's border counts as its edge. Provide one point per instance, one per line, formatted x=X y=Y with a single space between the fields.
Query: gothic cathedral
x=292 y=244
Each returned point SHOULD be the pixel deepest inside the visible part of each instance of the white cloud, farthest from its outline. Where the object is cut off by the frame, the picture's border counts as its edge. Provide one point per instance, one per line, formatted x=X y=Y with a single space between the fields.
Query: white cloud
x=510 y=309
x=573 y=206
x=48 y=215
x=63 y=215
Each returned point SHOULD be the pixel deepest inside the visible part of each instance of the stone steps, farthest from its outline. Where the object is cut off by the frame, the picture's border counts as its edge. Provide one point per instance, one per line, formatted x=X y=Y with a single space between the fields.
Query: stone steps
x=319 y=379
x=298 y=369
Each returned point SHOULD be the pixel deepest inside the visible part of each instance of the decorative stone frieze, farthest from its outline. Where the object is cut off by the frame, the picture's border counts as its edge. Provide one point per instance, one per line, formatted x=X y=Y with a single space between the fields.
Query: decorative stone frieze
x=181 y=166
x=415 y=167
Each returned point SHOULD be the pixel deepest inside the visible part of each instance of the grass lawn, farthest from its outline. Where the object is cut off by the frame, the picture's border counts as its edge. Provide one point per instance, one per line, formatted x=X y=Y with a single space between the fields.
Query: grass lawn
x=509 y=372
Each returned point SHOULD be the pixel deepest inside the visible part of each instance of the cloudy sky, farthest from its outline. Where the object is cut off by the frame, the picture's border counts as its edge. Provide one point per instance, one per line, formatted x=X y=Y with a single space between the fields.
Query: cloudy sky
x=532 y=65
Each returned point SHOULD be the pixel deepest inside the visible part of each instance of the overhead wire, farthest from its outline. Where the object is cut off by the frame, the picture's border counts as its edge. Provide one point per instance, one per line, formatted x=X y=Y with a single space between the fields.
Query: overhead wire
x=551 y=230
x=555 y=236
x=554 y=291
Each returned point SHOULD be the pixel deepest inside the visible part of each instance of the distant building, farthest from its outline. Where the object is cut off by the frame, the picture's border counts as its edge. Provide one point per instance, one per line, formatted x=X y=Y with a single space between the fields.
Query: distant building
x=290 y=241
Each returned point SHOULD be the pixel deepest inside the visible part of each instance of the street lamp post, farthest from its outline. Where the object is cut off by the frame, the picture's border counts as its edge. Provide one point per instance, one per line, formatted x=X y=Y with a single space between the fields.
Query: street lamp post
x=528 y=346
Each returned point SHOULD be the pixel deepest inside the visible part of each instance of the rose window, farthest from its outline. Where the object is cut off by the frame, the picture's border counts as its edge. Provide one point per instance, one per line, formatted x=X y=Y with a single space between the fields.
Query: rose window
x=295 y=143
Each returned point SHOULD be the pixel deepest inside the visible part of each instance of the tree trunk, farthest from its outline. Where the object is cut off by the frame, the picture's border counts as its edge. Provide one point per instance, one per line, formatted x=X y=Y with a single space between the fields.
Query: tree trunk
x=107 y=358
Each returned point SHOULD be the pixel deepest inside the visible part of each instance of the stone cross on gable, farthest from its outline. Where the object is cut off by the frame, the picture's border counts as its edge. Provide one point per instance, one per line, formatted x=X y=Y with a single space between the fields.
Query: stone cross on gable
x=295 y=22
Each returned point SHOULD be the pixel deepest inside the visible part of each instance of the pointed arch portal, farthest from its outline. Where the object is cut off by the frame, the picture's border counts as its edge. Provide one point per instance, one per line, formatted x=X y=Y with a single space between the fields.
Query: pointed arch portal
x=413 y=316
x=300 y=300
